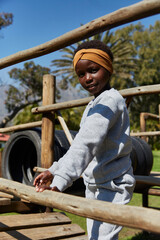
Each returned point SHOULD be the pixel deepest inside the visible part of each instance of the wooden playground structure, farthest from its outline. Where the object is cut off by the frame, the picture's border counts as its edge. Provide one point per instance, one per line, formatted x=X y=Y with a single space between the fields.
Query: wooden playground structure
x=52 y=225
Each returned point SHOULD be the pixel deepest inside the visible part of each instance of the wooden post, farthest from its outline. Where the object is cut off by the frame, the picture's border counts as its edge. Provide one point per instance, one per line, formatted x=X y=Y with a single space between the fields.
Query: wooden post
x=47 y=138
x=159 y=112
x=143 y=124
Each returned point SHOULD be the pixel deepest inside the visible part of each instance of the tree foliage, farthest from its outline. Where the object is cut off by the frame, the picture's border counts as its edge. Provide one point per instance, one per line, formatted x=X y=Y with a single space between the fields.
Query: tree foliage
x=147 y=46
x=28 y=90
x=136 y=51
x=5 y=19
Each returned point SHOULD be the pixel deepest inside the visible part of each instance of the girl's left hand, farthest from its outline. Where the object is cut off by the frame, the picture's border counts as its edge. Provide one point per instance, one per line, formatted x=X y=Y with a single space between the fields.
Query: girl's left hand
x=44 y=187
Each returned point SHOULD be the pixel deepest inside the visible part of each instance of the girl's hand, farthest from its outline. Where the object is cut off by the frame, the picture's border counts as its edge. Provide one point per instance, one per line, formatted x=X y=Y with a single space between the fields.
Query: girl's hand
x=44 y=187
x=43 y=179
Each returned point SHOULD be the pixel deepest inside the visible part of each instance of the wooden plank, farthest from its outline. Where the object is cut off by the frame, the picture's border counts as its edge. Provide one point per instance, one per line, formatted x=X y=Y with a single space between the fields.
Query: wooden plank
x=124 y=15
x=51 y=232
x=5 y=201
x=84 y=237
x=15 y=222
x=124 y=215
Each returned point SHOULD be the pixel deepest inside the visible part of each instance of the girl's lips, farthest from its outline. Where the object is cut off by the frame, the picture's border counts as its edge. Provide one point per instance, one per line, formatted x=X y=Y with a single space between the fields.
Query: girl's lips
x=91 y=86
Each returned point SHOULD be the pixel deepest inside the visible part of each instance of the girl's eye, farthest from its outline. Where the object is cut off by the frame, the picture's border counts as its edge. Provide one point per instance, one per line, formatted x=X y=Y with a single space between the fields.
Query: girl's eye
x=94 y=70
x=80 y=75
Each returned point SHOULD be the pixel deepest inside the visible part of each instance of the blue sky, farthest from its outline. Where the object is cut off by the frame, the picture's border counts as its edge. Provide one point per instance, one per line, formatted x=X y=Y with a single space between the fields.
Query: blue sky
x=38 y=21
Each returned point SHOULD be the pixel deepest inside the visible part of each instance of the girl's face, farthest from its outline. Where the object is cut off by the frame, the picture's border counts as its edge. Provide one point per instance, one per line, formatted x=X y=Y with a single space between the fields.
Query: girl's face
x=93 y=77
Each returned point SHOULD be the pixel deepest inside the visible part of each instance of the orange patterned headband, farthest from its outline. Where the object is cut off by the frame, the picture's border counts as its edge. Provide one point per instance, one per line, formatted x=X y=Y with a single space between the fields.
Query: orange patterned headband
x=98 y=56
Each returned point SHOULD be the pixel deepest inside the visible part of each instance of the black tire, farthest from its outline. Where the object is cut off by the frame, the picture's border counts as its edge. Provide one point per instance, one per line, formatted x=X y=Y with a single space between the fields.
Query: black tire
x=148 y=155
x=141 y=156
x=20 y=155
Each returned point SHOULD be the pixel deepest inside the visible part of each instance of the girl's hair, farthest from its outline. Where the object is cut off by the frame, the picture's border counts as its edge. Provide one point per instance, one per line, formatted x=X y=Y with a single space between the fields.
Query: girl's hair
x=96 y=44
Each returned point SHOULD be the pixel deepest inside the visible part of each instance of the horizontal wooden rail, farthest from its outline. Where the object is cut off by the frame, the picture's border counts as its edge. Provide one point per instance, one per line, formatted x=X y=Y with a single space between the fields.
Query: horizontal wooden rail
x=150 y=115
x=141 y=134
x=131 y=92
x=122 y=16
x=149 y=180
x=125 y=215
x=21 y=127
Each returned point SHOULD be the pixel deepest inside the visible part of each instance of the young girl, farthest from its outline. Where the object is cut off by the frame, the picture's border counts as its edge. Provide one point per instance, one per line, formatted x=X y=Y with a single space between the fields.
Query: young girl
x=101 y=150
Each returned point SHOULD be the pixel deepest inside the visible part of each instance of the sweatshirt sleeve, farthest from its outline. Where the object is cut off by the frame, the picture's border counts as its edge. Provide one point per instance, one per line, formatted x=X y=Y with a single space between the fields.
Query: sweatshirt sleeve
x=86 y=143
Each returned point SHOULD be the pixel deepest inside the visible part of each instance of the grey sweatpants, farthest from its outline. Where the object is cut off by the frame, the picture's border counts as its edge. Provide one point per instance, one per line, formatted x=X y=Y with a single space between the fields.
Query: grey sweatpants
x=118 y=191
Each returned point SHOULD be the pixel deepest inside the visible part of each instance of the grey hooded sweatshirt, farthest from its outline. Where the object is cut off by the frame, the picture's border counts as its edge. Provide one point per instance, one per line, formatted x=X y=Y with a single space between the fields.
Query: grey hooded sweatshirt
x=101 y=149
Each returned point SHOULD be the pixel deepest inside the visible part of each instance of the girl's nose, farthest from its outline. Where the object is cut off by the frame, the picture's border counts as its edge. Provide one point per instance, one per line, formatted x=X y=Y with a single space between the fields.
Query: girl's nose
x=88 y=77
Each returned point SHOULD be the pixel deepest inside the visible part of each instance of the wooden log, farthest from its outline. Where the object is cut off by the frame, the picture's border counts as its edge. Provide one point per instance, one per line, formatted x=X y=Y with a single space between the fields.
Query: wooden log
x=47 y=135
x=151 y=89
x=122 y=16
x=125 y=215
x=64 y=127
x=140 y=134
x=21 y=127
x=14 y=222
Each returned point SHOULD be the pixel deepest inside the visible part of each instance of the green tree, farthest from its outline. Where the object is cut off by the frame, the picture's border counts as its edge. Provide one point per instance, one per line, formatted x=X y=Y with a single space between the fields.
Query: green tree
x=147 y=45
x=28 y=90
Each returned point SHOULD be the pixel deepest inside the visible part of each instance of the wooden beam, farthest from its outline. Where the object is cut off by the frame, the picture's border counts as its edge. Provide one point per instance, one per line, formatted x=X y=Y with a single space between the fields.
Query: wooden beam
x=21 y=127
x=142 y=90
x=122 y=16
x=125 y=215
x=140 y=134
x=64 y=127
